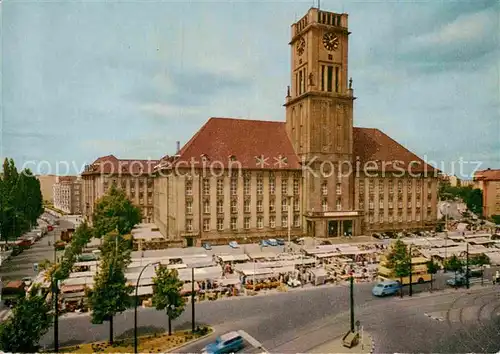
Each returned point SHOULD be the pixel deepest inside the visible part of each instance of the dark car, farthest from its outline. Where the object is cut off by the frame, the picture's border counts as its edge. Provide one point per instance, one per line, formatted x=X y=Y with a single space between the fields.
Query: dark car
x=281 y=242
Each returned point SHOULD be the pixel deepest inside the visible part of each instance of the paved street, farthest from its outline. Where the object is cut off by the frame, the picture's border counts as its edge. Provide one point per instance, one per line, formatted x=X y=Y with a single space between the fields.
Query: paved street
x=21 y=266
x=301 y=319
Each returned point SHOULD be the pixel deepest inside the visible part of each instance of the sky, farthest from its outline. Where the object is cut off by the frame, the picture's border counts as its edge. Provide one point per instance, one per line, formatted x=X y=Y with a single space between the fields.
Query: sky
x=83 y=79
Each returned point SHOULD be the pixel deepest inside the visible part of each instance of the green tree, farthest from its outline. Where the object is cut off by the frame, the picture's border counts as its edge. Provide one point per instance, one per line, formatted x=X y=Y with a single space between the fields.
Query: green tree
x=399 y=260
x=496 y=219
x=480 y=260
x=474 y=201
x=114 y=211
x=29 y=321
x=432 y=268
x=455 y=265
x=111 y=292
x=167 y=294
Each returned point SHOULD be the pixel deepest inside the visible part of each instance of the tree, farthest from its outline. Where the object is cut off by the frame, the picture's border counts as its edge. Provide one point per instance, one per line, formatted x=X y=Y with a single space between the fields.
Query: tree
x=399 y=260
x=110 y=294
x=167 y=294
x=454 y=264
x=480 y=260
x=20 y=201
x=114 y=211
x=29 y=321
x=474 y=201
x=496 y=219
x=432 y=268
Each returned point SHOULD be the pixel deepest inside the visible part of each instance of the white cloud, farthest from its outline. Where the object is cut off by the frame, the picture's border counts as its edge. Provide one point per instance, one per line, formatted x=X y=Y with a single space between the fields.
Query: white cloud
x=466 y=29
x=169 y=111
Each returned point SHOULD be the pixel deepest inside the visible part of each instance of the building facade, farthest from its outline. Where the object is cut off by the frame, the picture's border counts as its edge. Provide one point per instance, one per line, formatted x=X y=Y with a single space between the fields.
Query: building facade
x=133 y=176
x=313 y=174
x=489 y=182
x=47 y=186
x=67 y=192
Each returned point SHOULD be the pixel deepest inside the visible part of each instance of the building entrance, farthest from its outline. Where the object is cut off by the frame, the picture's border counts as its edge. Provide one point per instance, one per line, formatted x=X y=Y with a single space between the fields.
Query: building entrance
x=333 y=228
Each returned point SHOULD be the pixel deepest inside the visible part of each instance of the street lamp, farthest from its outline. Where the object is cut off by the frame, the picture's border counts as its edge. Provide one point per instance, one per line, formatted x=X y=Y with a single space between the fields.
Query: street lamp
x=137 y=302
x=289 y=221
x=55 y=293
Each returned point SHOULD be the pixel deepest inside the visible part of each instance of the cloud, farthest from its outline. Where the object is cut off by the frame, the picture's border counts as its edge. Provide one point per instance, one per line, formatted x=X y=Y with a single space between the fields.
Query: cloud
x=166 y=110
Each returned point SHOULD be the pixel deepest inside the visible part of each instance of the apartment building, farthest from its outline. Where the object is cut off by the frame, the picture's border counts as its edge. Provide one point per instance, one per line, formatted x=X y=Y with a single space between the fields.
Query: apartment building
x=67 y=194
x=133 y=176
x=489 y=182
x=47 y=186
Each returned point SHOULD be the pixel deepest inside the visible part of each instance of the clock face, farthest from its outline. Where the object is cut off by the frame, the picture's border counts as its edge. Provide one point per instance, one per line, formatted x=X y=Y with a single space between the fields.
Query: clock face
x=301 y=46
x=330 y=41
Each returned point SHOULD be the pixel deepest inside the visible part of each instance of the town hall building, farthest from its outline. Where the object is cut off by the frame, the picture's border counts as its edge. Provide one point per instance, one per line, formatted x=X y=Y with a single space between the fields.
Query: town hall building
x=314 y=174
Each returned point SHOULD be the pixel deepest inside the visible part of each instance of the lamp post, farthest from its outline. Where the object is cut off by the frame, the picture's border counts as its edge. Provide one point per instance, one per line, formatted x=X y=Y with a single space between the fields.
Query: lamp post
x=351 y=302
x=137 y=302
x=447 y=206
x=289 y=221
x=411 y=271
x=467 y=264
x=55 y=293
x=192 y=301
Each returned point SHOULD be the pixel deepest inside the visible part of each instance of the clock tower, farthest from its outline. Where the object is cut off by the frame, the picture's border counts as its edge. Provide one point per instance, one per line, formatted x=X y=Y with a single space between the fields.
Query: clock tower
x=319 y=118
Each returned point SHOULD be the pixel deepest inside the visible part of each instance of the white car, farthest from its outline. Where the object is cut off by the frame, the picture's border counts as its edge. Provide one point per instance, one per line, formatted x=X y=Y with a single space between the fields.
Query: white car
x=294 y=283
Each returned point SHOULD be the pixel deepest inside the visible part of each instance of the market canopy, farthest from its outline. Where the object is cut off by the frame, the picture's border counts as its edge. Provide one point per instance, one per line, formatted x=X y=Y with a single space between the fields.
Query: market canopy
x=233 y=257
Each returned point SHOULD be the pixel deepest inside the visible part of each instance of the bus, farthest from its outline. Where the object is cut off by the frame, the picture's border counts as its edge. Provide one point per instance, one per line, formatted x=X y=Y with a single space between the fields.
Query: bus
x=419 y=272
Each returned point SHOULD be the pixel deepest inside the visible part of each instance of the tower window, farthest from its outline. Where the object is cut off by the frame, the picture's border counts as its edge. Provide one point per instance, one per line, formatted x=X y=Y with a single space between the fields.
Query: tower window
x=296 y=84
x=329 y=79
x=300 y=82
x=322 y=78
x=338 y=20
x=304 y=76
x=336 y=79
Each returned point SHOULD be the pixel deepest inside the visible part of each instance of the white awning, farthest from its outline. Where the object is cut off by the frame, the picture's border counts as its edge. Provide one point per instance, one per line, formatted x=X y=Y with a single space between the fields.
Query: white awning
x=233 y=257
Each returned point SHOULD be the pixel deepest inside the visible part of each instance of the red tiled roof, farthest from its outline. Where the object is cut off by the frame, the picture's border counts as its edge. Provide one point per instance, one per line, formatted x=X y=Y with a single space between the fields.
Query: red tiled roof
x=373 y=145
x=220 y=138
x=246 y=141
x=66 y=179
x=488 y=175
x=111 y=165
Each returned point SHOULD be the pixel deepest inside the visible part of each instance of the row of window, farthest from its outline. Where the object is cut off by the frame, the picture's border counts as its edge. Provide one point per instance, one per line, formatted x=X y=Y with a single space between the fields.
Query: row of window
x=246 y=223
x=338 y=204
x=371 y=205
x=391 y=218
x=246 y=206
x=246 y=186
x=123 y=183
x=390 y=182
x=324 y=188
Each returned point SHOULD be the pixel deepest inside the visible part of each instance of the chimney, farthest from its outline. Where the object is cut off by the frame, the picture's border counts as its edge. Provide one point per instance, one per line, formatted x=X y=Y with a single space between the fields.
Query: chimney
x=178 y=147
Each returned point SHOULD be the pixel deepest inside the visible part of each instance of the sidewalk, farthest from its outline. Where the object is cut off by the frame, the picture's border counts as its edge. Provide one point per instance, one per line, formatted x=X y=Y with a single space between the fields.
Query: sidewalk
x=365 y=345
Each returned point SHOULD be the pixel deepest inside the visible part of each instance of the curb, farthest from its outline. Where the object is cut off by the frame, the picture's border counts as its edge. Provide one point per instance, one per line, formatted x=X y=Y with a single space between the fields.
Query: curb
x=372 y=349
x=173 y=350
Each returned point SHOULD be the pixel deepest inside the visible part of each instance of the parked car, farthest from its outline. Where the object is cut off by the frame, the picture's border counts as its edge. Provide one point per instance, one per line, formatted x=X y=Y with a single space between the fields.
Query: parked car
x=263 y=243
x=234 y=244
x=207 y=246
x=387 y=287
x=280 y=241
x=272 y=242
x=475 y=272
x=294 y=283
x=227 y=343
x=50 y=228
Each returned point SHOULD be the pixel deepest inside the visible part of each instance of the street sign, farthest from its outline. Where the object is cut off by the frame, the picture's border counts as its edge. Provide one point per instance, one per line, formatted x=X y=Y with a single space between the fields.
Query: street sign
x=35 y=267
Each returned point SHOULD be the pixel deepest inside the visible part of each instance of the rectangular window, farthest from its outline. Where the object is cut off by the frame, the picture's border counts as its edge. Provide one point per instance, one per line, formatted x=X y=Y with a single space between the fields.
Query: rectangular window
x=339 y=188
x=189 y=207
x=220 y=187
x=206 y=186
x=247 y=206
x=206 y=207
x=220 y=224
x=300 y=82
x=259 y=206
x=284 y=205
x=260 y=186
x=260 y=222
x=284 y=187
x=339 y=204
x=336 y=79
x=322 y=78
x=296 y=220
x=324 y=188
x=234 y=206
x=234 y=186
x=272 y=222
x=329 y=80
x=284 y=221
x=324 y=205
x=233 y=223
x=272 y=186
x=206 y=224
x=304 y=80
x=296 y=204
x=246 y=186
x=272 y=206
x=296 y=187
x=220 y=207
x=246 y=223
